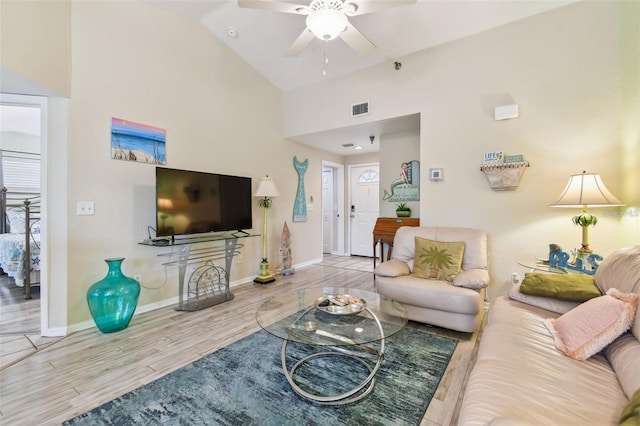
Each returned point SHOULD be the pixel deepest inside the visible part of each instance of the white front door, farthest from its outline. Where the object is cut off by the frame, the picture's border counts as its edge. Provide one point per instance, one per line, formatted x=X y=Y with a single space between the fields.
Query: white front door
x=364 y=207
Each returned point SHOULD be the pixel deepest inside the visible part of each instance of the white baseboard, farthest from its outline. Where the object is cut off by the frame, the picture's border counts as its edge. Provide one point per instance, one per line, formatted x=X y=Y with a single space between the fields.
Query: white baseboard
x=156 y=305
x=80 y=326
x=309 y=263
x=84 y=325
x=55 y=332
x=63 y=331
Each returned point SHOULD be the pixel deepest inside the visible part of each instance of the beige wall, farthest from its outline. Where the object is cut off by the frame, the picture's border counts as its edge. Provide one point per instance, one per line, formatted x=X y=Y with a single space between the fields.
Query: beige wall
x=134 y=61
x=630 y=119
x=148 y=65
x=563 y=69
x=36 y=41
x=396 y=149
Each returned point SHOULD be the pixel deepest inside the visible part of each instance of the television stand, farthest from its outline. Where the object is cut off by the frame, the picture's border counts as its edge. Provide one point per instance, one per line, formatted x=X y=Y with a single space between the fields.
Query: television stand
x=240 y=233
x=208 y=284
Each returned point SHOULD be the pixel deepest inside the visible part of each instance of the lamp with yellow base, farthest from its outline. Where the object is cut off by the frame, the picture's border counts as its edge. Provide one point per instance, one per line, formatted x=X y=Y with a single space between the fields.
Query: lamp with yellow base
x=266 y=190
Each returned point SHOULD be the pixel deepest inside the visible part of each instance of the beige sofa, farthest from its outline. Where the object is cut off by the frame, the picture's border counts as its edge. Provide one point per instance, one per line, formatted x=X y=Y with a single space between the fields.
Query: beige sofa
x=520 y=378
x=454 y=305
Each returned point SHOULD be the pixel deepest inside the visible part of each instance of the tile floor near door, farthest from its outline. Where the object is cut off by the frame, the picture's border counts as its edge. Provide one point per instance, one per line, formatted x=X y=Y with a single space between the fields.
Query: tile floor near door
x=356 y=263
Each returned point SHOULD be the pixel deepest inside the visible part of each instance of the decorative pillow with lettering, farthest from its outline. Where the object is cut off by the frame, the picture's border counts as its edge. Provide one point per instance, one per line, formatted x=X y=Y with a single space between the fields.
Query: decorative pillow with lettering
x=437 y=260
x=594 y=324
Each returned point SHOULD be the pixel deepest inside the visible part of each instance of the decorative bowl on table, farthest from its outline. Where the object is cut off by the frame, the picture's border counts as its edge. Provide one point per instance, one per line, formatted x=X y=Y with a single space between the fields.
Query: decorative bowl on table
x=340 y=304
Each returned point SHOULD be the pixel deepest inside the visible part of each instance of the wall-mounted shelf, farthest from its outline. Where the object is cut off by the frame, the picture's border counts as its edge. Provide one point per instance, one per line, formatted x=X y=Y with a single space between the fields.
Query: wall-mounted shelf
x=504 y=176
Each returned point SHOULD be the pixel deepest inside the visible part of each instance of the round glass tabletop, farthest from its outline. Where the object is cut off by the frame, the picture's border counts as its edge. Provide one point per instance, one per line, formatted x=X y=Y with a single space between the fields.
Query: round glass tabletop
x=332 y=316
x=540 y=265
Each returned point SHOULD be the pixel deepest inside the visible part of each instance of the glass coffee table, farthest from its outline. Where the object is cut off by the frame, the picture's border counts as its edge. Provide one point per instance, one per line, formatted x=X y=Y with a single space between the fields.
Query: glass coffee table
x=346 y=324
x=541 y=265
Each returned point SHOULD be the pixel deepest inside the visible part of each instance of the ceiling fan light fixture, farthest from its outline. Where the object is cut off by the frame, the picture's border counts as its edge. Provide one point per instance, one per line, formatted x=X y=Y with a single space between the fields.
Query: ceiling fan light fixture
x=326 y=20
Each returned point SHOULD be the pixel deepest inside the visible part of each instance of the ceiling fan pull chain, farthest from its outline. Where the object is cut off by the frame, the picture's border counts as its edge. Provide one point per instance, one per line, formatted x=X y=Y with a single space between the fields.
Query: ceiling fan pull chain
x=326 y=58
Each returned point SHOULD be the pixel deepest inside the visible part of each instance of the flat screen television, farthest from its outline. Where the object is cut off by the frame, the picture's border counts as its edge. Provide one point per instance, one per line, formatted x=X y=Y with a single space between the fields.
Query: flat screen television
x=189 y=202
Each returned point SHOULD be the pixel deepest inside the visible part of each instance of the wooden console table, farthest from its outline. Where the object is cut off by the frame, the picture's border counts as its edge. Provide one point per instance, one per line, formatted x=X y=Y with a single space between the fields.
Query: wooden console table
x=385 y=230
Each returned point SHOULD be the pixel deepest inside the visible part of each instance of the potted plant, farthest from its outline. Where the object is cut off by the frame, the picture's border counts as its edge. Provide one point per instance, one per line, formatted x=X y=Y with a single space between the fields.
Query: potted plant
x=403 y=210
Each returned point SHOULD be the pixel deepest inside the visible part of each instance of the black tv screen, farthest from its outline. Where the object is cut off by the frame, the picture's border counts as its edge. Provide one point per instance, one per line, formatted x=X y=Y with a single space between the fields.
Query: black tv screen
x=190 y=202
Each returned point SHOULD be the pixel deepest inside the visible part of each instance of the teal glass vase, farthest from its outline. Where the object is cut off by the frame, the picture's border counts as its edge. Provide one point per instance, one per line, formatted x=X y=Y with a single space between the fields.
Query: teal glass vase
x=113 y=300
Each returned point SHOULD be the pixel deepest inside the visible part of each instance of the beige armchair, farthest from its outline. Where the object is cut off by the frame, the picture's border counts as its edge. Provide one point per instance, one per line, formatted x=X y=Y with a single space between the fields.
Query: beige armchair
x=456 y=304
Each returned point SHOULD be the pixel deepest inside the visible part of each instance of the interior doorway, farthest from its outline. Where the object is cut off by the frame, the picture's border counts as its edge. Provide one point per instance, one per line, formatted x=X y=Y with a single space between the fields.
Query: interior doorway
x=23 y=130
x=332 y=208
x=364 y=206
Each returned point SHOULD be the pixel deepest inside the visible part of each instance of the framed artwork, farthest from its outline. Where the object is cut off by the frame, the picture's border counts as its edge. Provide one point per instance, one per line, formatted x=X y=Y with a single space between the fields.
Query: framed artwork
x=300 y=205
x=131 y=141
x=407 y=186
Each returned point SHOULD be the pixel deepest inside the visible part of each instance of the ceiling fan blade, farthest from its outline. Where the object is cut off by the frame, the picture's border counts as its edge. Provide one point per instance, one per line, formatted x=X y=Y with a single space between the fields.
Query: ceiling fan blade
x=301 y=42
x=356 y=40
x=370 y=6
x=276 y=6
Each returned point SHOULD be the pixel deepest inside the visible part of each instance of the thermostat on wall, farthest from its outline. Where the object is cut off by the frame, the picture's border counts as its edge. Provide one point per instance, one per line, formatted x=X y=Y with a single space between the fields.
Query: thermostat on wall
x=506 y=112
x=436 y=174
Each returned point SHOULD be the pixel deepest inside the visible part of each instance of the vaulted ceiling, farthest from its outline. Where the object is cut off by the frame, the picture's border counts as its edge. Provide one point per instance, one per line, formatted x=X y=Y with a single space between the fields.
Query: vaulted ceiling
x=262 y=38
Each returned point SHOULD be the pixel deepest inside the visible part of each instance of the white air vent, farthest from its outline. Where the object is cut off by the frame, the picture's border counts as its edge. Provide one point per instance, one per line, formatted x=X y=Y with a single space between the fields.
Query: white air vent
x=347 y=145
x=360 y=109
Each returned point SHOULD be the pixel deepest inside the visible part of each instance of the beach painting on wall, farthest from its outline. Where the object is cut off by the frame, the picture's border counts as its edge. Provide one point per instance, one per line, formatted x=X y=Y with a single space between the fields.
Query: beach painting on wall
x=131 y=141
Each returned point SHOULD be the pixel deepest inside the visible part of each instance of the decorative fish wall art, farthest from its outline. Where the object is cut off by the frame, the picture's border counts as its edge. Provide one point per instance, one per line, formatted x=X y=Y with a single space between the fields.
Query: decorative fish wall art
x=300 y=205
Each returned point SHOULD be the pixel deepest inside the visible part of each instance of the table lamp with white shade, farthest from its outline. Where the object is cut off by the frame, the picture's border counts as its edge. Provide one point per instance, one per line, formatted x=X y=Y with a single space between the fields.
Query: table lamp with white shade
x=586 y=190
x=266 y=190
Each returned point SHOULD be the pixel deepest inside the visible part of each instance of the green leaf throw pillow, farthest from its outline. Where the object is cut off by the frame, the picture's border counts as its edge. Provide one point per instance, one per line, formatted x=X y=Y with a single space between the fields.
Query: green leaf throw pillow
x=437 y=260
x=571 y=287
x=631 y=413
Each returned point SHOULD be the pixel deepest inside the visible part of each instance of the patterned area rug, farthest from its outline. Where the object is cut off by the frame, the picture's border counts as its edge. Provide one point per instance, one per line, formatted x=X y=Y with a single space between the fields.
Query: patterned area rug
x=243 y=384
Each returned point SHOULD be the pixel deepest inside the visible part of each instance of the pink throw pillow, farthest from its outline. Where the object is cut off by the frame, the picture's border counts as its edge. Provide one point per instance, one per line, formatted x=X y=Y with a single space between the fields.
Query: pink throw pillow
x=591 y=326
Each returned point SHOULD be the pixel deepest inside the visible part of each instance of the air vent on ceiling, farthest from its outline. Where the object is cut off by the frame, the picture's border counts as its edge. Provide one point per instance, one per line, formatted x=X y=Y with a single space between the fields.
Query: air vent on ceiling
x=347 y=145
x=360 y=109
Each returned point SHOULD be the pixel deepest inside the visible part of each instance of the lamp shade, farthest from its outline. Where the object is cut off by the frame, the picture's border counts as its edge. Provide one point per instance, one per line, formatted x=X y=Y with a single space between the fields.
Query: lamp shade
x=327 y=22
x=266 y=188
x=586 y=189
x=165 y=203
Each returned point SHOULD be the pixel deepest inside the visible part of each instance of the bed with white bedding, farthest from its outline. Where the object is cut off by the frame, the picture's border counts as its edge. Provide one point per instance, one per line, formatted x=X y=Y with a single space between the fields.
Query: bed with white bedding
x=13 y=255
x=20 y=239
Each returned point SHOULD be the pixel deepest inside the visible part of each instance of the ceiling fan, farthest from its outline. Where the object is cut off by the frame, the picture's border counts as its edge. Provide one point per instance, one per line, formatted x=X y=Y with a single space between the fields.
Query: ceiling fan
x=328 y=19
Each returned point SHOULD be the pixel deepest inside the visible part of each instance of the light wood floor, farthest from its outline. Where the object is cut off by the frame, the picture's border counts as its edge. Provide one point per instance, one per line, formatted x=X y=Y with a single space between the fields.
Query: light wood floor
x=19 y=323
x=18 y=315
x=88 y=368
